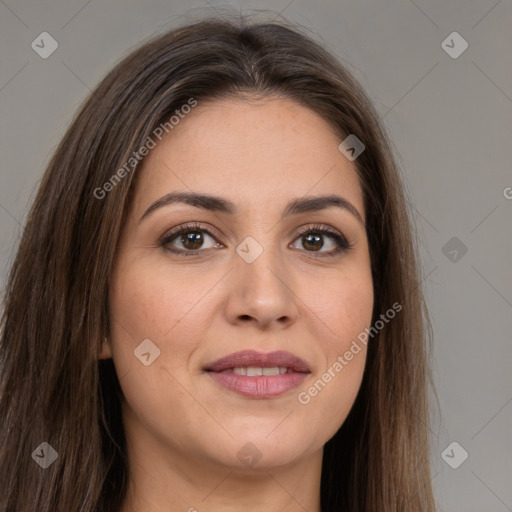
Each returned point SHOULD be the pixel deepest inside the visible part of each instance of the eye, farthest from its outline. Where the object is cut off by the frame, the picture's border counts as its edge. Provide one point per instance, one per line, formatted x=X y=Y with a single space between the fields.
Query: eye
x=312 y=239
x=188 y=240
x=192 y=239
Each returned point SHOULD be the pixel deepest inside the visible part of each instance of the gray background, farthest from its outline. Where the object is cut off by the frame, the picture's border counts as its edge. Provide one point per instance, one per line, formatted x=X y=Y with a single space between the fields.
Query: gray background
x=450 y=120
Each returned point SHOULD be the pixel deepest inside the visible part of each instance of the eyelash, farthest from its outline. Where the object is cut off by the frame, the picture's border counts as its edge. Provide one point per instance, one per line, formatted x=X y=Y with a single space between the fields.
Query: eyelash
x=342 y=244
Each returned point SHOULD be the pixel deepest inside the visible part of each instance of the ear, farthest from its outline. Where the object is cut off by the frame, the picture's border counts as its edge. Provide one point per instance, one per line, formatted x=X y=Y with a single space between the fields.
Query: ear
x=106 y=352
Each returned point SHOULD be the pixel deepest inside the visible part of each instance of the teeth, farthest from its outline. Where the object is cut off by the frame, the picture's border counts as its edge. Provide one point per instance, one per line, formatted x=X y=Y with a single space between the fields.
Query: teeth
x=256 y=371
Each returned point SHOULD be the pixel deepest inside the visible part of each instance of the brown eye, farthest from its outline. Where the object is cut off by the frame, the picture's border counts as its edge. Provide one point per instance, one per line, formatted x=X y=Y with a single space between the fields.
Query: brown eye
x=192 y=240
x=312 y=241
x=189 y=240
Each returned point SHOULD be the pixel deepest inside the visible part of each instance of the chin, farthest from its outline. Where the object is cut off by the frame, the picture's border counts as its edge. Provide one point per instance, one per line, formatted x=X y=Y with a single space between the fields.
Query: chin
x=261 y=449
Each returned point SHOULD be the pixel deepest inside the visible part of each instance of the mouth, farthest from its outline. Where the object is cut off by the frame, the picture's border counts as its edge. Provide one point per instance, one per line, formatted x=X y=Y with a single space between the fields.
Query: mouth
x=258 y=375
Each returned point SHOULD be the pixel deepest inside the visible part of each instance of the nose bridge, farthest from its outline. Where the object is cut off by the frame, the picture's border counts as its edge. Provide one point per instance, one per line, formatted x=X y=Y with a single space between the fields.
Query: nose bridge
x=263 y=289
x=259 y=263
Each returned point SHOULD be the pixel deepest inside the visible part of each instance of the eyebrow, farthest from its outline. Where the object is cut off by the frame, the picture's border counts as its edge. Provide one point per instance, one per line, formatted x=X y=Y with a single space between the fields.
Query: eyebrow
x=218 y=204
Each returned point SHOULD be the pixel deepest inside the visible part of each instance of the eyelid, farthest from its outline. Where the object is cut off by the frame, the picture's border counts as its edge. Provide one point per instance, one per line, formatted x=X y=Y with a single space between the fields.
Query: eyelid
x=324 y=228
x=190 y=226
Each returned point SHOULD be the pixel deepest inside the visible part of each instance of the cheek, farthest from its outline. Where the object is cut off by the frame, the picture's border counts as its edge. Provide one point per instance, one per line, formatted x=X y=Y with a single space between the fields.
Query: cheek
x=354 y=310
x=344 y=304
x=166 y=308
x=155 y=304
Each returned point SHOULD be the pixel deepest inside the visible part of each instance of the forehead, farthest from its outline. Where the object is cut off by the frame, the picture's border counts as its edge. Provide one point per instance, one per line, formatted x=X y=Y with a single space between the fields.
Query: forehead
x=253 y=152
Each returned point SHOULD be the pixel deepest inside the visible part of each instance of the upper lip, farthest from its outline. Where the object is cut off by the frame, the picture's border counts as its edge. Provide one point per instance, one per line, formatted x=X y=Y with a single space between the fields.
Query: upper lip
x=246 y=358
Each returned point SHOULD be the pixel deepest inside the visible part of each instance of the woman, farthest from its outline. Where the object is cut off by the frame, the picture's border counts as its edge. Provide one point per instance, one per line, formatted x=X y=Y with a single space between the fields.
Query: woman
x=215 y=304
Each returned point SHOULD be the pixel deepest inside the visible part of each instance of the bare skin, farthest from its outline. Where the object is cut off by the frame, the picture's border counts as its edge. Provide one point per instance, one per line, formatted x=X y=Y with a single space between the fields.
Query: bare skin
x=187 y=435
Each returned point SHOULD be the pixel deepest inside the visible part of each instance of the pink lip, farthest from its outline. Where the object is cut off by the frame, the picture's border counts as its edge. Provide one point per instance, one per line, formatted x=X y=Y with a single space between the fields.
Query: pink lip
x=265 y=386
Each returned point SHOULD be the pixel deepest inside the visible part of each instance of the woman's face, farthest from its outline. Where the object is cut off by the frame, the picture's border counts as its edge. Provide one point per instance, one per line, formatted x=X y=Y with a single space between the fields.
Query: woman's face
x=253 y=273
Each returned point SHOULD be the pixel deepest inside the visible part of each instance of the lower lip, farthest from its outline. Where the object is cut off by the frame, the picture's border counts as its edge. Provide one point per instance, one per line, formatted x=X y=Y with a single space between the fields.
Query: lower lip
x=265 y=386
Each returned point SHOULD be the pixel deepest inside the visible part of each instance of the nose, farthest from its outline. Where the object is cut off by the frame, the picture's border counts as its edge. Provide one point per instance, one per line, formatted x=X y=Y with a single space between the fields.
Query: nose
x=261 y=293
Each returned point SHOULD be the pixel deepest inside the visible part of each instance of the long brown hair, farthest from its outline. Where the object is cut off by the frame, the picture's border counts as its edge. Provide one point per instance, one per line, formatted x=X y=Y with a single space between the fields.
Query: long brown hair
x=53 y=388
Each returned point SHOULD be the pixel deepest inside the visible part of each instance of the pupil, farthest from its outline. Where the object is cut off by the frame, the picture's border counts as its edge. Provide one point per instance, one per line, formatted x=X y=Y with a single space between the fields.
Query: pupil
x=312 y=239
x=193 y=238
